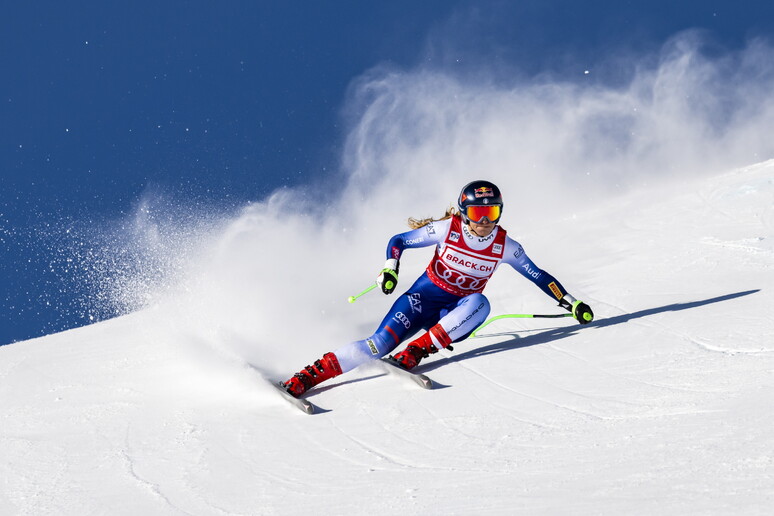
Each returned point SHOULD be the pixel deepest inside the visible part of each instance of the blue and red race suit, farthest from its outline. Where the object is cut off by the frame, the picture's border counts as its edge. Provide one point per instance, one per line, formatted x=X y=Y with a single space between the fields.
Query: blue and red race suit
x=449 y=291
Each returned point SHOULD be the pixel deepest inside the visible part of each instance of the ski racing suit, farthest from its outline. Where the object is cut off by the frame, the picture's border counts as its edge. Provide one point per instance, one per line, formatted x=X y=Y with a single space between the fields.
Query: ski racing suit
x=449 y=291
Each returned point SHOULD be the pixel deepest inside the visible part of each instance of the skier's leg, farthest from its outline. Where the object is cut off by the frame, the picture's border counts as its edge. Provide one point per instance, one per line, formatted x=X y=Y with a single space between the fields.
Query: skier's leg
x=419 y=307
x=471 y=311
x=400 y=323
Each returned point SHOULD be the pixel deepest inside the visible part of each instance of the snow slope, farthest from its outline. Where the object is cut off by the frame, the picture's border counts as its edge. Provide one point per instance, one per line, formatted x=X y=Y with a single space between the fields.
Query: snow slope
x=663 y=405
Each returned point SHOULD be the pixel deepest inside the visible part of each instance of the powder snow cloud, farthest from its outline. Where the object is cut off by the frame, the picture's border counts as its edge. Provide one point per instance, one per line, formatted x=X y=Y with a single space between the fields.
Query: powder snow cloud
x=270 y=283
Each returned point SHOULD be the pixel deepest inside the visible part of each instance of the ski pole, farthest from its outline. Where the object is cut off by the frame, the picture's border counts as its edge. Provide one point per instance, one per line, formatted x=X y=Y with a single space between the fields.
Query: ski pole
x=519 y=316
x=352 y=299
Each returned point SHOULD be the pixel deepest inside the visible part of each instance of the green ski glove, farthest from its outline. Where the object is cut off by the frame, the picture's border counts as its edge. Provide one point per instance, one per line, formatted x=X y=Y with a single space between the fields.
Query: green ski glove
x=388 y=278
x=582 y=312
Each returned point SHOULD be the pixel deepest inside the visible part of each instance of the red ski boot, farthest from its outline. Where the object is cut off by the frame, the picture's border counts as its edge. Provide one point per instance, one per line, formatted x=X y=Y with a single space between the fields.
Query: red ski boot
x=323 y=369
x=436 y=338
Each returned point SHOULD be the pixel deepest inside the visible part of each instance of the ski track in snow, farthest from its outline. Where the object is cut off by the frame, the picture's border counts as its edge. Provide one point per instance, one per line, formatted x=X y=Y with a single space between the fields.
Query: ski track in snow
x=662 y=405
x=503 y=387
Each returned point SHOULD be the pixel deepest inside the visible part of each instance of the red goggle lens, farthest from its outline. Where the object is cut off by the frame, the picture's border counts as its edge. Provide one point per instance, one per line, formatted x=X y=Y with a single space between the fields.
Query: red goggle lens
x=477 y=213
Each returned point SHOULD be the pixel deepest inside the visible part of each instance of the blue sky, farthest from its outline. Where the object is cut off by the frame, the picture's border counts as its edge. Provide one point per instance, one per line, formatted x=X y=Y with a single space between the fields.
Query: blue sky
x=220 y=103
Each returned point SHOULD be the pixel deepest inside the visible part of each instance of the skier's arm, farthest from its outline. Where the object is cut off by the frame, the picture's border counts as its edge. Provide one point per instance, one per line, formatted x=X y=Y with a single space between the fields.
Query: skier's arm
x=431 y=234
x=515 y=256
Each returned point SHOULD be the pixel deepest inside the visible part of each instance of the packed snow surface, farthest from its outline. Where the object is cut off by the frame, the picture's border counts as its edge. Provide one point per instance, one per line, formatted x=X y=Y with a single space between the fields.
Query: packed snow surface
x=663 y=405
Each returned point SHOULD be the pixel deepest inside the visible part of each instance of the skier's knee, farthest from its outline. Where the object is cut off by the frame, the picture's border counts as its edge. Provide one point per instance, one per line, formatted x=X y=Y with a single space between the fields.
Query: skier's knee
x=478 y=306
x=469 y=314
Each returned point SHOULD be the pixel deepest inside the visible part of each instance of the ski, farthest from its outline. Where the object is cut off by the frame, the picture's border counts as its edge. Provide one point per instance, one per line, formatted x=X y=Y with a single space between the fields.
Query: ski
x=394 y=367
x=301 y=404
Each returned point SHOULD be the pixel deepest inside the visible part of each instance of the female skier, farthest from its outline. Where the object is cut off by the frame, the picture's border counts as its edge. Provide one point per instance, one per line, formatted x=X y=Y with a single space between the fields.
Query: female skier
x=446 y=300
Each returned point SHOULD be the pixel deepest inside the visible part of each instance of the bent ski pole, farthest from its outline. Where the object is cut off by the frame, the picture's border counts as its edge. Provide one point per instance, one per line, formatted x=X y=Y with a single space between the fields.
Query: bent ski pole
x=352 y=299
x=519 y=316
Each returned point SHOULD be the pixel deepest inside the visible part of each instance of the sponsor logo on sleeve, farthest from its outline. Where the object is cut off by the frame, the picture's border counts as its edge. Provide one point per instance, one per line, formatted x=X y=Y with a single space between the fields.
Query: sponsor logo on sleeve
x=530 y=271
x=557 y=293
x=518 y=252
x=430 y=229
x=372 y=346
x=415 y=241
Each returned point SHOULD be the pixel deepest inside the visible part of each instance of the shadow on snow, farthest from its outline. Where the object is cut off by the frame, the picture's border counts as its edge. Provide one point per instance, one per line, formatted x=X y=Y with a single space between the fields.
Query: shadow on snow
x=555 y=334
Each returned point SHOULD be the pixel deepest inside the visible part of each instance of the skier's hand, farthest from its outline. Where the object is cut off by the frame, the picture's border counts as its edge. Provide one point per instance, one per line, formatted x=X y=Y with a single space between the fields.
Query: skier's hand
x=582 y=312
x=388 y=278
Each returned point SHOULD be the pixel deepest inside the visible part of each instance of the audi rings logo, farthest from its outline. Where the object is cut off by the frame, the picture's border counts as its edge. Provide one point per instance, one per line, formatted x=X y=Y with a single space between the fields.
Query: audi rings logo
x=401 y=318
x=457 y=279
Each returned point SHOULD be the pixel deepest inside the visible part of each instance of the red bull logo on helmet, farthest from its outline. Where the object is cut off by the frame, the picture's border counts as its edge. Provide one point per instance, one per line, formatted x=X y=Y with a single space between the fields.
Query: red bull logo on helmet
x=483 y=191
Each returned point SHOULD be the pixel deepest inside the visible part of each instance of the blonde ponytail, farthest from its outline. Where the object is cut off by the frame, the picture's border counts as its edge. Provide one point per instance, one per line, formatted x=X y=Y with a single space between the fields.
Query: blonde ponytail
x=420 y=223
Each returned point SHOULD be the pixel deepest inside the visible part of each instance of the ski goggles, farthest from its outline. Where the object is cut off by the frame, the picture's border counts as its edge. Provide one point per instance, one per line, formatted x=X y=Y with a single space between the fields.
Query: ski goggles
x=477 y=213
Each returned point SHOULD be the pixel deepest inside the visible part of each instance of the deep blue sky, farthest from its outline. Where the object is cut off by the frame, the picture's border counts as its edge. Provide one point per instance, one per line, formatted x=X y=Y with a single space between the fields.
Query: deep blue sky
x=227 y=101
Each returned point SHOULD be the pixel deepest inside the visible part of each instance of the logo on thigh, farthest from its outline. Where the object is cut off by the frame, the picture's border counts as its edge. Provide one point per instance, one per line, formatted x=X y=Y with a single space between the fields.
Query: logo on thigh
x=468 y=318
x=403 y=319
x=416 y=303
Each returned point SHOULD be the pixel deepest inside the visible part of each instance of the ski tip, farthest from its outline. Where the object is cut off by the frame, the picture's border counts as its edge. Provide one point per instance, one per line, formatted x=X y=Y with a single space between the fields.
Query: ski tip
x=300 y=403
